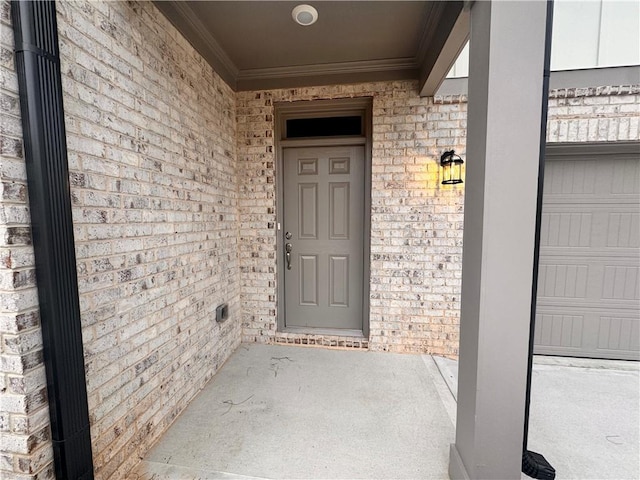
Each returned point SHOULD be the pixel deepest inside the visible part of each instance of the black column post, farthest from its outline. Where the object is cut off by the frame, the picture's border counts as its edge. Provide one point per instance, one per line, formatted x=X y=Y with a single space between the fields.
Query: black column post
x=533 y=464
x=39 y=79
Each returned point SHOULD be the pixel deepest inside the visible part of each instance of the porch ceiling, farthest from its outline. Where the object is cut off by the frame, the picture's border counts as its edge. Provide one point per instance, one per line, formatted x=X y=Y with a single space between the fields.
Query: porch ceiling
x=256 y=44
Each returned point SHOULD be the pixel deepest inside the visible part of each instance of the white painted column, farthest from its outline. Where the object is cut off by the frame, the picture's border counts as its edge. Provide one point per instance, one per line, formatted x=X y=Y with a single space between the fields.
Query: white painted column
x=503 y=143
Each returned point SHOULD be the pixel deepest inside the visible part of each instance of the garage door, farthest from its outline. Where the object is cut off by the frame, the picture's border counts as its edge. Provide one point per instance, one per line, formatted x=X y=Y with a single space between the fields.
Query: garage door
x=589 y=276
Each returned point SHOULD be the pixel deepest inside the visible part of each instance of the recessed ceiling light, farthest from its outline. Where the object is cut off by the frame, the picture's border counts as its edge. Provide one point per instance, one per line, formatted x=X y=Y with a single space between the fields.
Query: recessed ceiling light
x=304 y=15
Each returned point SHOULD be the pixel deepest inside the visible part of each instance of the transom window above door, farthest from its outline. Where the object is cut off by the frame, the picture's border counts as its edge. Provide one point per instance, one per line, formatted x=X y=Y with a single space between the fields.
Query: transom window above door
x=344 y=126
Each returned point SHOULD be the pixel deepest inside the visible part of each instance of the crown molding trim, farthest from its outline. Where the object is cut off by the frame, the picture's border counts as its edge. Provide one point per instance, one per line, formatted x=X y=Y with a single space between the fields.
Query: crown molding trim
x=187 y=22
x=303 y=78
x=180 y=14
x=337 y=68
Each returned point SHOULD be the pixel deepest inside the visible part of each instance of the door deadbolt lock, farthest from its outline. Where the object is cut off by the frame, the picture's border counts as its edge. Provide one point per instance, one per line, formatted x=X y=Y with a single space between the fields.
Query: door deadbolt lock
x=288 y=235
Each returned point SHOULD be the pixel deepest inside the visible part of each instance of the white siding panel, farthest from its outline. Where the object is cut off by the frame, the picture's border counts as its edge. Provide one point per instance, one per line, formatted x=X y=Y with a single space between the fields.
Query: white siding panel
x=576 y=27
x=619 y=34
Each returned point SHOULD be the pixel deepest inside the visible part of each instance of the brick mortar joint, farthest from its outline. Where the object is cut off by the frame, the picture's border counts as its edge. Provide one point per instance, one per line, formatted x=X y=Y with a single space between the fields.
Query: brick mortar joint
x=19 y=289
x=21 y=311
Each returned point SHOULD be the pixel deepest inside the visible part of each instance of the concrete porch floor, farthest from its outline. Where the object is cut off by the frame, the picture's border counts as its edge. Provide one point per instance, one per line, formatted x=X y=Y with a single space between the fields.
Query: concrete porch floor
x=294 y=412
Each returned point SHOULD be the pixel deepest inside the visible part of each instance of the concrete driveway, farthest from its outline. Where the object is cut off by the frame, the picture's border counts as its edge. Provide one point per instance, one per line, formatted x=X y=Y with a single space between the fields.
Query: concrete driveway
x=584 y=415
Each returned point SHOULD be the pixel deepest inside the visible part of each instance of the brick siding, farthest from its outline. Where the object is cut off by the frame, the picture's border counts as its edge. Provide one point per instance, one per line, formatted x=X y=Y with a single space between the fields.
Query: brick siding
x=603 y=114
x=151 y=139
x=174 y=197
x=416 y=223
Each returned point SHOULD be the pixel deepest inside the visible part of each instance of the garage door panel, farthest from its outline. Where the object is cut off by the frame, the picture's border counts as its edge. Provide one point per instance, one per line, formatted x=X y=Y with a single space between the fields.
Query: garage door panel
x=569 y=177
x=621 y=283
x=619 y=333
x=590 y=225
x=623 y=229
x=566 y=229
x=569 y=281
x=574 y=281
x=626 y=177
x=559 y=330
x=589 y=273
x=592 y=176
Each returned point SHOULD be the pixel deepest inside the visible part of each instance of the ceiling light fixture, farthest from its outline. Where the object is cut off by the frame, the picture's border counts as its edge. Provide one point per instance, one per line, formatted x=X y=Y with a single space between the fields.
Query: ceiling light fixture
x=304 y=15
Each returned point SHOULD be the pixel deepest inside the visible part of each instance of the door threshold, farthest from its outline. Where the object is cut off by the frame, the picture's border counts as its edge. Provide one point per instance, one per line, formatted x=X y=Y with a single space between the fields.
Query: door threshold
x=338 y=332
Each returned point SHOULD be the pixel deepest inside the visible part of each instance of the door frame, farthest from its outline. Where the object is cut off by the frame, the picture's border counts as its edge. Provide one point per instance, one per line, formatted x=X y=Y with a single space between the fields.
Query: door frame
x=284 y=111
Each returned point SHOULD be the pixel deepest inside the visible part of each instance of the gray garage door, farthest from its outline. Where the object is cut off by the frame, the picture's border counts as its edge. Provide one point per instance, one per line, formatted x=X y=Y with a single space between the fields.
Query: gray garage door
x=589 y=277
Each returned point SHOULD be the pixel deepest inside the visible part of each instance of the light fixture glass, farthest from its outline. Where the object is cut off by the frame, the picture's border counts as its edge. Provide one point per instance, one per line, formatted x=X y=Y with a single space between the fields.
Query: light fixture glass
x=304 y=15
x=451 y=168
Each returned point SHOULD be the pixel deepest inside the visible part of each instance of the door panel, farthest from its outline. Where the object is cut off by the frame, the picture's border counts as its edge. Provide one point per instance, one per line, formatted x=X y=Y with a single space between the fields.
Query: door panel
x=308 y=200
x=308 y=278
x=324 y=215
x=339 y=211
x=339 y=281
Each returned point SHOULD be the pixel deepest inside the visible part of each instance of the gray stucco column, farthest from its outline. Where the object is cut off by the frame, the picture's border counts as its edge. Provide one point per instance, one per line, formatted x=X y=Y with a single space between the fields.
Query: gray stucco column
x=503 y=146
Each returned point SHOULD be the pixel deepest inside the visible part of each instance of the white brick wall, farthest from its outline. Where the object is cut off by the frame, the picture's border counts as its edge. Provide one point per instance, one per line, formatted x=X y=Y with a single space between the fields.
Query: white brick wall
x=603 y=114
x=25 y=439
x=173 y=189
x=151 y=139
x=416 y=223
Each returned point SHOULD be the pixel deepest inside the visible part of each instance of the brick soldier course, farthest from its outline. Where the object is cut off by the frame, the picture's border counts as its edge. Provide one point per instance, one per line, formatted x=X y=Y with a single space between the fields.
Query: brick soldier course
x=172 y=177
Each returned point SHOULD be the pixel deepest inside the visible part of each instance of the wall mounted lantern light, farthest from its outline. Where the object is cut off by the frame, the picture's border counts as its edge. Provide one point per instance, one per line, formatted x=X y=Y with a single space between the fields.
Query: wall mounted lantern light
x=451 y=168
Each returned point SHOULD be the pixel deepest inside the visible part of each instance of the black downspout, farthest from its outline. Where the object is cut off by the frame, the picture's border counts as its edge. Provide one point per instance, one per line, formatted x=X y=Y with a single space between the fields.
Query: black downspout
x=40 y=85
x=533 y=464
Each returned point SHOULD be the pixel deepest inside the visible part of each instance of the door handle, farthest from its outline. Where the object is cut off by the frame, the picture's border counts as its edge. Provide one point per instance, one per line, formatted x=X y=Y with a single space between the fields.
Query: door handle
x=287 y=249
